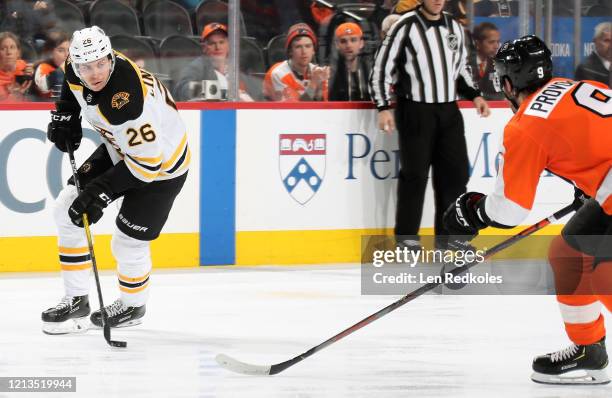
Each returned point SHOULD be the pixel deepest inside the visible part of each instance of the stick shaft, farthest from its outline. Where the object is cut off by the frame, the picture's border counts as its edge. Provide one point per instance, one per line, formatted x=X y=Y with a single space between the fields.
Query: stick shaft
x=423 y=289
x=90 y=245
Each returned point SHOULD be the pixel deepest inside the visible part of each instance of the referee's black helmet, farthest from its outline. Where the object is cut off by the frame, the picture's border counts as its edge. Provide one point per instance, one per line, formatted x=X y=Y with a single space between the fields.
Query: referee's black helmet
x=525 y=62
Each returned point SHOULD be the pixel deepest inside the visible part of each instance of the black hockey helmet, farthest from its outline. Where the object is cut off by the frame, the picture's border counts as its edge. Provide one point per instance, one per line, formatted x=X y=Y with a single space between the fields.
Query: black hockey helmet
x=525 y=62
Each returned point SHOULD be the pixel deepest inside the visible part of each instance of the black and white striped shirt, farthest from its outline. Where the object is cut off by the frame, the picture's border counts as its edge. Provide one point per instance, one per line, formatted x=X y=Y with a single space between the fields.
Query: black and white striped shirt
x=422 y=60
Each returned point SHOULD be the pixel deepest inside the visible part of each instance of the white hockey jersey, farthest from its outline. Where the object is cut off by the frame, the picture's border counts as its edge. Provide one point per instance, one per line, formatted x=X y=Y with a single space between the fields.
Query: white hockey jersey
x=138 y=120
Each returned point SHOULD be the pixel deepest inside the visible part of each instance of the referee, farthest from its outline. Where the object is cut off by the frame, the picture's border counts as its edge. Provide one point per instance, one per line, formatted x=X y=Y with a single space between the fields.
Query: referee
x=422 y=63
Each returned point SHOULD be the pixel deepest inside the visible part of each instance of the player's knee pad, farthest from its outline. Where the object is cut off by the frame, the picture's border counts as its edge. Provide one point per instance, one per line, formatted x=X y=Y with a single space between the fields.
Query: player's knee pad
x=585 y=229
x=128 y=251
x=562 y=256
x=62 y=204
x=602 y=279
x=570 y=267
x=604 y=251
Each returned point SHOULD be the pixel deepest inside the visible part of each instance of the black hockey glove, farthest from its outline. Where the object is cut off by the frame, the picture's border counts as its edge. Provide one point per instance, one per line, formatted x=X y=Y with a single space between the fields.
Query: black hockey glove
x=65 y=126
x=580 y=198
x=462 y=220
x=91 y=201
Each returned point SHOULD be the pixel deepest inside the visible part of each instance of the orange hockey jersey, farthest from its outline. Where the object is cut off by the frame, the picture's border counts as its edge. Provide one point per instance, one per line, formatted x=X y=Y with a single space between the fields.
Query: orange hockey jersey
x=282 y=83
x=565 y=127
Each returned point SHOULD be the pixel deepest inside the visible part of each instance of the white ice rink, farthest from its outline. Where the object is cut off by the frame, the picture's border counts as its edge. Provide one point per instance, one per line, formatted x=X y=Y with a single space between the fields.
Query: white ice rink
x=435 y=346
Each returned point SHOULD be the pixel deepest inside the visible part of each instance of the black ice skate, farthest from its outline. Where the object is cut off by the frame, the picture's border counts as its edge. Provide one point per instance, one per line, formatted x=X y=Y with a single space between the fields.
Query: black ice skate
x=69 y=316
x=576 y=364
x=119 y=315
x=412 y=245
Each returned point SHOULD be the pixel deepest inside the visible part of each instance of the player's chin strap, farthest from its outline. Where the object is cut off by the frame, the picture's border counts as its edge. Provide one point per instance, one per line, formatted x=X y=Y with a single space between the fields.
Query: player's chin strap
x=513 y=101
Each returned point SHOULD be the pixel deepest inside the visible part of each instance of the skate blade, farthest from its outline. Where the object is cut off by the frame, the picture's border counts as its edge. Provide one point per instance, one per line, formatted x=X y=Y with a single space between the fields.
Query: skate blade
x=133 y=322
x=71 y=326
x=589 y=377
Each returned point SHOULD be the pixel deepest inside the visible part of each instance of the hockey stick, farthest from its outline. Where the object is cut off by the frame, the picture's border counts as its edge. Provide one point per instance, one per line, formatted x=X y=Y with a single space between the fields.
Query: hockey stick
x=107 y=331
x=234 y=365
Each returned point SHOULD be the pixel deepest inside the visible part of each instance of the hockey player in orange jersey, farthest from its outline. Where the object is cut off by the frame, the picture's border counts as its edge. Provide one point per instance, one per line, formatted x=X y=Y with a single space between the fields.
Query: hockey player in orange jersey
x=565 y=127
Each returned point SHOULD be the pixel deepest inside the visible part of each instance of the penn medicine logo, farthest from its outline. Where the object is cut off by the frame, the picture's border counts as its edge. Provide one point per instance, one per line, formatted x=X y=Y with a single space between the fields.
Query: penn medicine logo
x=302 y=164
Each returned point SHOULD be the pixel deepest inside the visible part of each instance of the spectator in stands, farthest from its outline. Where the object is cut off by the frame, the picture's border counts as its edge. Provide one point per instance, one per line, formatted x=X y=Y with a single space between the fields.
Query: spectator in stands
x=205 y=78
x=49 y=73
x=28 y=19
x=350 y=75
x=404 y=6
x=321 y=15
x=387 y=23
x=15 y=73
x=486 y=36
x=399 y=8
x=297 y=78
x=597 y=65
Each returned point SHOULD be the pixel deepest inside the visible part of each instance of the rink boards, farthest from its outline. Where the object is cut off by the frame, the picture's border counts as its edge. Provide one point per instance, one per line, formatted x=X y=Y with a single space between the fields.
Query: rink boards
x=268 y=184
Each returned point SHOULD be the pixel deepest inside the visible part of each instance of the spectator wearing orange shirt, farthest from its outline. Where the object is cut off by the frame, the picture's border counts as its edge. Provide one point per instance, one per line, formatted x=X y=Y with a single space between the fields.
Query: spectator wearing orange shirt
x=15 y=73
x=297 y=78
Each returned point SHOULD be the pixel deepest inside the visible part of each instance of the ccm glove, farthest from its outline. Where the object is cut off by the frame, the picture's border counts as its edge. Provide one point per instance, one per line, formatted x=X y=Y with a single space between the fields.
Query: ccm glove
x=91 y=201
x=65 y=126
x=461 y=219
x=580 y=198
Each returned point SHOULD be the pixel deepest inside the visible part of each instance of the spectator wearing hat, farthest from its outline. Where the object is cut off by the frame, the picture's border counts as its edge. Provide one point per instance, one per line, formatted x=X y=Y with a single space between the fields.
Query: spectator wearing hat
x=297 y=78
x=211 y=68
x=349 y=80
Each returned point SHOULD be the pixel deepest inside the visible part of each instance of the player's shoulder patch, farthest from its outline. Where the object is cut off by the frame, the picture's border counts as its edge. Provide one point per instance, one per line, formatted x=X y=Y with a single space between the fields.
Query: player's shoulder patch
x=123 y=96
x=544 y=101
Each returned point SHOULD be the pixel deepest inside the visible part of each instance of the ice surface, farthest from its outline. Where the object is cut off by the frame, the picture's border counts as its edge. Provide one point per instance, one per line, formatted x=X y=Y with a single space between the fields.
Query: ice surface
x=435 y=346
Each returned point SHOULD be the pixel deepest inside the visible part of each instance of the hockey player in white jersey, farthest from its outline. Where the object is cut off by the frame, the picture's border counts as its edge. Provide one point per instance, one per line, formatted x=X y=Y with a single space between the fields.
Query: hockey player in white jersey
x=144 y=159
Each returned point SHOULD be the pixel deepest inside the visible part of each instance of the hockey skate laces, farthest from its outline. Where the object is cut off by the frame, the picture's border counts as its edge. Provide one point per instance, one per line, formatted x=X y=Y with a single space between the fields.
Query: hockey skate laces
x=564 y=354
x=115 y=308
x=66 y=301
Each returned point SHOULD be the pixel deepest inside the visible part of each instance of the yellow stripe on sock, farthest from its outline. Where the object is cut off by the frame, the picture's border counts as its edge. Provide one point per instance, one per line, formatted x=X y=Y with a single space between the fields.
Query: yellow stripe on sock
x=127 y=279
x=79 y=267
x=73 y=250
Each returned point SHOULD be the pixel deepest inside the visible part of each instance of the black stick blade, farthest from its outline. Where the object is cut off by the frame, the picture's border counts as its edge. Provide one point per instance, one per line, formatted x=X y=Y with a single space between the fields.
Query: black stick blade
x=112 y=343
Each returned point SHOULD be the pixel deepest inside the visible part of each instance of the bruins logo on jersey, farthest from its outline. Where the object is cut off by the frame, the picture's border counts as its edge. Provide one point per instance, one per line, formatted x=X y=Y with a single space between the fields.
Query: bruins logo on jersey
x=85 y=168
x=120 y=99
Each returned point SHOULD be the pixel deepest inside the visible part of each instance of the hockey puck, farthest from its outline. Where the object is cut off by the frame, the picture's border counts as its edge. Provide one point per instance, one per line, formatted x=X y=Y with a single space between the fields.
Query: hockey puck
x=447 y=268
